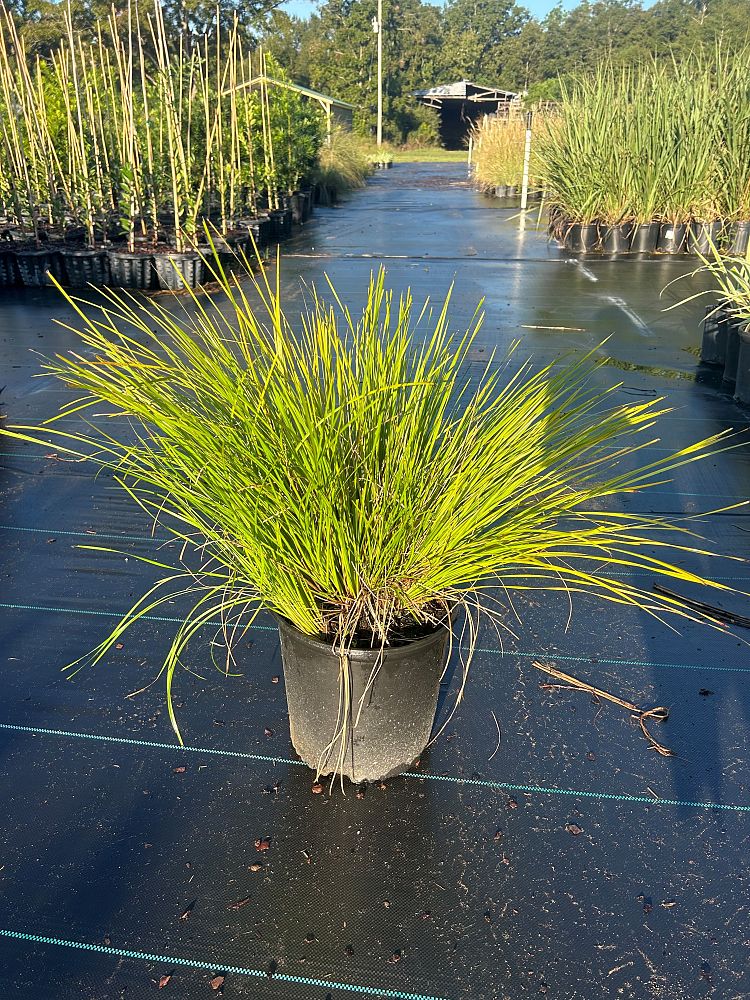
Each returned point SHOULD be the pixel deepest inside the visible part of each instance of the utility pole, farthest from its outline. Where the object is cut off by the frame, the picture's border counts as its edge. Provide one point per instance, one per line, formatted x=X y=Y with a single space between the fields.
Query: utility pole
x=377 y=27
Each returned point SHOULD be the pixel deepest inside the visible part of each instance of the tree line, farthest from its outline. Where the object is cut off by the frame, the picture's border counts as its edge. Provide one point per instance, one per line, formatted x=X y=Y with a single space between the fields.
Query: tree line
x=495 y=42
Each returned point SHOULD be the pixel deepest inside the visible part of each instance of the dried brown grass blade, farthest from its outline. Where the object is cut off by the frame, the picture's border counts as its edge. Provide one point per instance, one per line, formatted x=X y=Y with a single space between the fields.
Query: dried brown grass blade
x=659 y=712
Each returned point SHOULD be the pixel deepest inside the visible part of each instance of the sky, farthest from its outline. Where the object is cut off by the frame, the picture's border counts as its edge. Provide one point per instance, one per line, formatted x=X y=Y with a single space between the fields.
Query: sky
x=302 y=8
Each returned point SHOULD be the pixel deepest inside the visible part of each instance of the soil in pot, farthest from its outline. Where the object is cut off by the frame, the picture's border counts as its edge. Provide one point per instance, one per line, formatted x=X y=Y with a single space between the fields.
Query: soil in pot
x=616 y=238
x=672 y=236
x=131 y=270
x=703 y=237
x=179 y=270
x=645 y=237
x=398 y=703
x=86 y=267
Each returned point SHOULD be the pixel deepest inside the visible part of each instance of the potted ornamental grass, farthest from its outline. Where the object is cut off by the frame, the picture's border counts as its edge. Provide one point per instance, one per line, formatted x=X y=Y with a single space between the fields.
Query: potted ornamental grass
x=346 y=474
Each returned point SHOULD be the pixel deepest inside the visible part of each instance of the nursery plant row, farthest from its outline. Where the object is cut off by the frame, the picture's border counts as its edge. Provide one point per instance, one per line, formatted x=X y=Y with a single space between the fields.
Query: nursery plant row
x=120 y=147
x=646 y=158
x=73 y=264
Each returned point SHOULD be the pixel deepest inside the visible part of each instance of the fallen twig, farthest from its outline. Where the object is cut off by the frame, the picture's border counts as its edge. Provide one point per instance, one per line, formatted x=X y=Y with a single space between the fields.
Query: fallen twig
x=726 y=617
x=498 y=737
x=659 y=713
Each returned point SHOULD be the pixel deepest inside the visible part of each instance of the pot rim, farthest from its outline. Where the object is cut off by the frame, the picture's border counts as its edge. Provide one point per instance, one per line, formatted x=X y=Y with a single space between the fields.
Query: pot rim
x=404 y=649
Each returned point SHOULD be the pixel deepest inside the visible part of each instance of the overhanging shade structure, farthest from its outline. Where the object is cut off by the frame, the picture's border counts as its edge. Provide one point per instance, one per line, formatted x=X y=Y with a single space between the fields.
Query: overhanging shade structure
x=462 y=103
x=335 y=110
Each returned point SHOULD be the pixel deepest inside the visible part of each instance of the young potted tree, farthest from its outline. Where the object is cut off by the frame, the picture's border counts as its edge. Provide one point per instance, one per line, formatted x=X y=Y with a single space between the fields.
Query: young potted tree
x=348 y=477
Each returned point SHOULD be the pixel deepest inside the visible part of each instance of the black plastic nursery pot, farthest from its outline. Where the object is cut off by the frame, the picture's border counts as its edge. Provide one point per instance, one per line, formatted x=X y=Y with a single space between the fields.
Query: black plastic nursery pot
x=582 y=238
x=131 y=270
x=398 y=692
x=281 y=223
x=179 y=270
x=732 y=356
x=672 y=237
x=742 y=382
x=616 y=238
x=9 y=276
x=36 y=265
x=702 y=237
x=645 y=237
x=739 y=235
x=86 y=267
x=714 y=342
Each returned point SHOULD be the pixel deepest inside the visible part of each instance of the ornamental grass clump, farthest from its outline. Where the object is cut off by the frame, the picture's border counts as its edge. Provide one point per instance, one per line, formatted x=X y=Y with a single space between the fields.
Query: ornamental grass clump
x=347 y=473
x=499 y=145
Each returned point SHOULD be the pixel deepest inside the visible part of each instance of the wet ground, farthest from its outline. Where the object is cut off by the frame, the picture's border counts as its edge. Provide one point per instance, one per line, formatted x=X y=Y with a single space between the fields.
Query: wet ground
x=569 y=861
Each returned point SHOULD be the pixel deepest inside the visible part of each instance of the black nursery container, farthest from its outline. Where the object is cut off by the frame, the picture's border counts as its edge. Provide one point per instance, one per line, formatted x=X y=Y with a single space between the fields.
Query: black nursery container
x=9 y=276
x=281 y=223
x=732 y=356
x=581 y=238
x=704 y=236
x=86 y=267
x=616 y=239
x=714 y=342
x=739 y=236
x=742 y=383
x=645 y=237
x=398 y=706
x=35 y=267
x=672 y=237
x=131 y=270
x=179 y=270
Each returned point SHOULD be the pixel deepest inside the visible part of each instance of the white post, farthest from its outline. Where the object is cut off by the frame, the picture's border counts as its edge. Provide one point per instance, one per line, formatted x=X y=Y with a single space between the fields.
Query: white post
x=526 y=161
x=380 y=72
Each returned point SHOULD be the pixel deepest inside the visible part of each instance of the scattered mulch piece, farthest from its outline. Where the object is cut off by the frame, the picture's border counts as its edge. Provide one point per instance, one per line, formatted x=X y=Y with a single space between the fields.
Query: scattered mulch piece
x=309 y=938
x=387 y=903
x=574 y=828
x=164 y=980
x=648 y=904
x=307 y=856
x=590 y=756
x=218 y=982
x=239 y=903
x=382 y=786
x=275 y=679
x=107 y=940
x=51 y=540
x=218 y=722
x=426 y=914
x=317 y=788
x=267 y=731
x=262 y=843
x=498 y=835
x=188 y=910
x=668 y=903
x=349 y=950
x=488 y=916
x=254 y=868
x=395 y=957
x=120 y=645
x=512 y=804
x=361 y=792
x=179 y=770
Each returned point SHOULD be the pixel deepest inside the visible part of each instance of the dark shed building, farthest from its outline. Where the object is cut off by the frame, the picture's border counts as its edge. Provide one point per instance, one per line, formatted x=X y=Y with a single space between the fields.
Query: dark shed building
x=462 y=103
